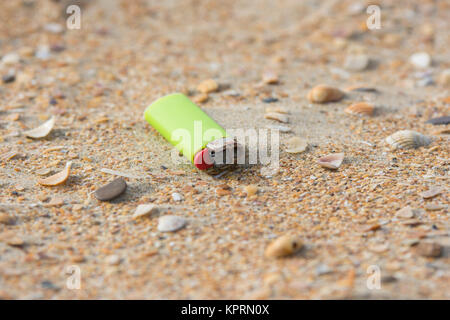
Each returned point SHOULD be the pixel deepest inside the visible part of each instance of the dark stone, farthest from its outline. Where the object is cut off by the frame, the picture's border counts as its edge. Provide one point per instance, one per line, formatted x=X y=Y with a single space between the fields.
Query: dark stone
x=440 y=120
x=269 y=100
x=111 y=190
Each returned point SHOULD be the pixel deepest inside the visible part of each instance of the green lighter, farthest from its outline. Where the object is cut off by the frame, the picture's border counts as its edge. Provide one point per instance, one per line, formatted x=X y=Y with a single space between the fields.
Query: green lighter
x=198 y=137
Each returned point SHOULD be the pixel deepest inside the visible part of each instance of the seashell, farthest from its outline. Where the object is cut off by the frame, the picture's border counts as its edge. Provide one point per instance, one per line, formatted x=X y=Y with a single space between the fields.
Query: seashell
x=283 y=246
x=170 y=223
x=360 y=108
x=208 y=86
x=58 y=178
x=277 y=116
x=432 y=192
x=42 y=131
x=270 y=77
x=283 y=129
x=296 y=145
x=332 y=161
x=406 y=139
x=144 y=210
x=324 y=93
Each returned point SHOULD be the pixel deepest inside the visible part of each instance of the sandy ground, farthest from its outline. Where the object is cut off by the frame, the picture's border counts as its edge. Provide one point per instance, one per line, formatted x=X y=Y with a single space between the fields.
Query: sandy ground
x=98 y=80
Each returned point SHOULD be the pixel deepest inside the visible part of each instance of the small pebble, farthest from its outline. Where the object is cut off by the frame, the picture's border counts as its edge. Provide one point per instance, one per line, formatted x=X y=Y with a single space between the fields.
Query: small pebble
x=444 y=78
x=283 y=246
x=9 y=78
x=324 y=94
x=6 y=218
x=113 y=260
x=420 y=60
x=431 y=193
x=429 y=249
x=170 y=223
x=111 y=190
x=10 y=59
x=269 y=100
x=251 y=190
x=440 y=120
x=208 y=86
x=54 y=28
x=357 y=62
x=405 y=213
x=43 y=52
x=177 y=196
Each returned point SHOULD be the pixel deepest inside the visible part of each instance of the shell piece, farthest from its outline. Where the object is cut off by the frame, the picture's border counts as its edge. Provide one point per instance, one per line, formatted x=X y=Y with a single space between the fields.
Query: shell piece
x=432 y=192
x=406 y=139
x=42 y=131
x=58 y=178
x=323 y=93
x=170 y=223
x=144 y=210
x=296 y=145
x=361 y=108
x=208 y=86
x=281 y=128
x=331 y=161
x=283 y=246
x=277 y=116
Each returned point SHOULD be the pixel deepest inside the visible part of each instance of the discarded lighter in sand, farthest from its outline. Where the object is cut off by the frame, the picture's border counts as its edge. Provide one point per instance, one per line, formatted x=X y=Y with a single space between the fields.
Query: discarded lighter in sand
x=198 y=137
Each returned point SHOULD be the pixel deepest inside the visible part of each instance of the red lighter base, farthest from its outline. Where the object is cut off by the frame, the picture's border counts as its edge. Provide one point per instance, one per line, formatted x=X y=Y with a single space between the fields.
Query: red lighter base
x=202 y=160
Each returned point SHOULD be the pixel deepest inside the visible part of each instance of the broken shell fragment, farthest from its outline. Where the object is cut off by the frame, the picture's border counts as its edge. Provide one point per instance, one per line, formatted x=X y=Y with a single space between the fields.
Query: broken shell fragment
x=58 y=178
x=42 y=131
x=360 y=108
x=296 y=145
x=277 y=116
x=283 y=246
x=324 y=93
x=332 y=161
x=144 y=210
x=431 y=193
x=406 y=139
x=208 y=86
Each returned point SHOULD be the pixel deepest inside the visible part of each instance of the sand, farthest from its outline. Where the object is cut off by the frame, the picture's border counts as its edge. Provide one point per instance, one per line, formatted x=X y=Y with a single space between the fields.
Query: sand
x=98 y=80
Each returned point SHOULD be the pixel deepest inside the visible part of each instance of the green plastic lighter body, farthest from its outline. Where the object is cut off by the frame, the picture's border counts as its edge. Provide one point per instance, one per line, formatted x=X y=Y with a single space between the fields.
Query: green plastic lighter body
x=183 y=124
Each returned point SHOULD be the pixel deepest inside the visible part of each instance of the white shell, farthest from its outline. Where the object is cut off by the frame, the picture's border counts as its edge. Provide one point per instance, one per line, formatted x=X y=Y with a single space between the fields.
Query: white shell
x=170 y=223
x=144 y=210
x=331 y=161
x=406 y=139
x=420 y=60
x=42 y=131
x=296 y=145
